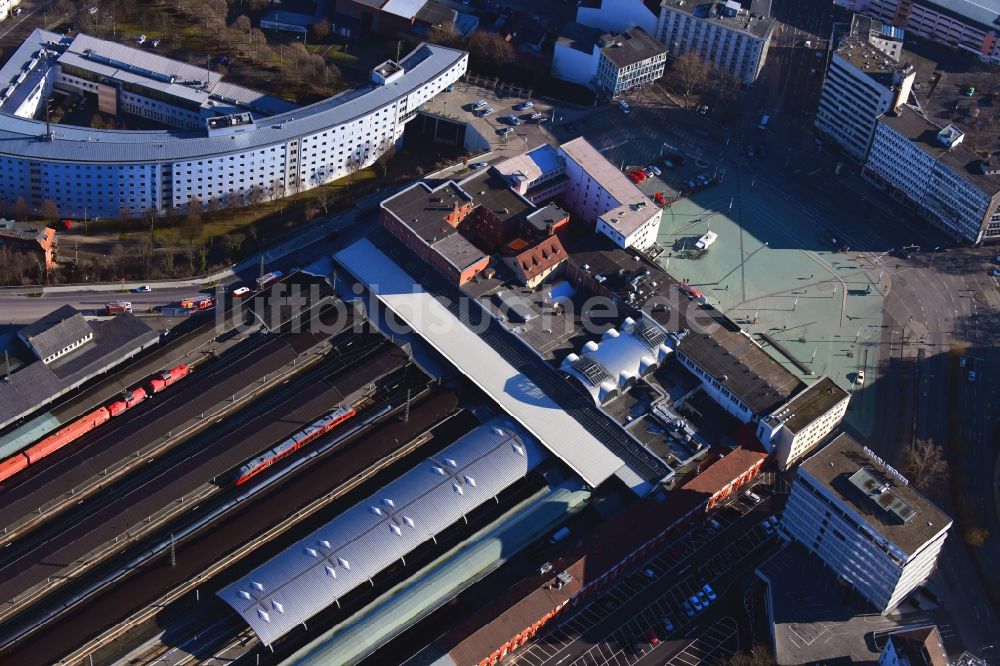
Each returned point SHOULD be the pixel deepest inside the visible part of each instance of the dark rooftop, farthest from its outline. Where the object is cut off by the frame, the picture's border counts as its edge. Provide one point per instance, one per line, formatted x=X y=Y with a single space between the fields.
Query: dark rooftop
x=22 y=230
x=635 y=46
x=870 y=60
x=36 y=384
x=436 y=14
x=714 y=341
x=915 y=522
x=924 y=134
x=56 y=331
x=920 y=647
x=425 y=210
x=580 y=37
x=488 y=188
x=545 y=216
x=753 y=22
x=808 y=405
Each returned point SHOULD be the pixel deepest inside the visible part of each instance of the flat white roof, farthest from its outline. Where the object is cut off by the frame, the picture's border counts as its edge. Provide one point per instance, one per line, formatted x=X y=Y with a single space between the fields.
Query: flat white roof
x=491 y=372
x=632 y=208
x=405 y=8
x=530 y=166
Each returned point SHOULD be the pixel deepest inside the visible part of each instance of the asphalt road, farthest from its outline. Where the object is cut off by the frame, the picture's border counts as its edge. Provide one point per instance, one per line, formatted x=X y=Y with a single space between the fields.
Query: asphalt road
x=18 y=307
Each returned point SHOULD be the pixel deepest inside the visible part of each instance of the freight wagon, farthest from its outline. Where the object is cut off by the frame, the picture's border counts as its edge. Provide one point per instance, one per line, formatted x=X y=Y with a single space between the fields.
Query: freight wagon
x=81 y=426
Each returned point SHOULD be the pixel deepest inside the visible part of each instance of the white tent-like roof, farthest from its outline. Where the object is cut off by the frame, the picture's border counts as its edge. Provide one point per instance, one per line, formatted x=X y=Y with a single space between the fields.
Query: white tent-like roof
x=361 y=542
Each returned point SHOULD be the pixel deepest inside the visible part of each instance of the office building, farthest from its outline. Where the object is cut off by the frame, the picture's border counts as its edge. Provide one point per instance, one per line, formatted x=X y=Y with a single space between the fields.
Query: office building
x=922 y=646
x=970 y=25
x=931 y=169
x=863 y=519
x=732 y=39
x=610 y=63
x=799 y=425
x=861 y=84
x=598 y=193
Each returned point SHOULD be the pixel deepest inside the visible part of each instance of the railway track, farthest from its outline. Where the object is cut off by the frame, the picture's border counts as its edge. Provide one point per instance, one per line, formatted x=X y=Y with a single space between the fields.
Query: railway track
x=97 y=627
x=147 y=500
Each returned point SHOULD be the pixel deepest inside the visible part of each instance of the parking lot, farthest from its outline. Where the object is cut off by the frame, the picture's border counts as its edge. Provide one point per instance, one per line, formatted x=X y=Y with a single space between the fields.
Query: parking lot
x=648 y=615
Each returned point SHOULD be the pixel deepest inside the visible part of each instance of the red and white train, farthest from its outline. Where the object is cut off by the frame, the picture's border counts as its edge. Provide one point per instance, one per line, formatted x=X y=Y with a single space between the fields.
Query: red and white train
x=81 y=426
x=294 y=443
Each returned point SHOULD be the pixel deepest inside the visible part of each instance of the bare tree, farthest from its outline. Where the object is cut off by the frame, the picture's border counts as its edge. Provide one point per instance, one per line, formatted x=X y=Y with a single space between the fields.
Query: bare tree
x=324 y=196
x=689 y=74
x=256 y=195
x=19 y=210
x=924 y=465
x=976 y=536
x=49 y=211
x=320 y=31
x=758 y=656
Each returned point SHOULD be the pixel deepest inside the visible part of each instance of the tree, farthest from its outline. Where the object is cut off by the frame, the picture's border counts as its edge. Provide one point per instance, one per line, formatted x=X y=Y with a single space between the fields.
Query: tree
x=192 y=226
x=49 y=211
x=324 y=196
x=758 y=656
x=924 y=465
x=976 y=536
x=19 y=210
x=490 y=50
x=320 y=31
x=689 y=74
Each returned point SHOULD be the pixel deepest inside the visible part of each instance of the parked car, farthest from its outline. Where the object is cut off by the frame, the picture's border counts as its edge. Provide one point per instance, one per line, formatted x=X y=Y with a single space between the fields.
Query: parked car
x=155 y=43
x=964 y=361
x=709 y=592
x=972 y=375
x=668 y=626
x=696 y=603
x=995 y=272
x=487 y=111
x=240 y=292
x=478 y=165
x=859 y=378
x=752 y=496
x=513 y=120
x=649 y=573
x=767 y=527
x=507 y=131
x=524 y=106
x=143 y=289
x=652 y=637
x=141 y=39
x=18 y=10
x=655 y=169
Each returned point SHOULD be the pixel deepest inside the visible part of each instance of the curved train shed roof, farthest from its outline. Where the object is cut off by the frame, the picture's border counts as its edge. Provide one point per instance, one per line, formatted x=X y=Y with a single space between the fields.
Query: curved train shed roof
x=26 y=138
x=362 y=541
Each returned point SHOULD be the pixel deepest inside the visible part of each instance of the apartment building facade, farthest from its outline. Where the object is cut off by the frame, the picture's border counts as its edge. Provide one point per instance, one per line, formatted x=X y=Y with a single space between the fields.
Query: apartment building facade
x=724 y=34
x=861 y=84
x=865 y=521
x=963 y=24
x=929 y=168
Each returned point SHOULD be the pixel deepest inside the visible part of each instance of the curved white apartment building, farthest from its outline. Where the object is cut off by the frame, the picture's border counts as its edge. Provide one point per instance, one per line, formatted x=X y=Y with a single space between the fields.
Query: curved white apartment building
x=243 y=149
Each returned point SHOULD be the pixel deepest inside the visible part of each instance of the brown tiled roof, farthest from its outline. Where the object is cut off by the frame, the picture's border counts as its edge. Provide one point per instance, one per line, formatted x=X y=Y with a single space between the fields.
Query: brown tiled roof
x=540 y=257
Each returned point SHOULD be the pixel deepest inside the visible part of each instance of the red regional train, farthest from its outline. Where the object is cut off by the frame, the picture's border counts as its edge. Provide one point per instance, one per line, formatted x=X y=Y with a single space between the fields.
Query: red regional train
x=81 y=426
x=294 y=443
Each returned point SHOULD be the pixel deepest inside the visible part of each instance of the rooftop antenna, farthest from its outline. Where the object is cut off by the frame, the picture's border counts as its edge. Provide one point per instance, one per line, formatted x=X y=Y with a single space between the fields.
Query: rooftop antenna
x=399 y=46
x=261 y=266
